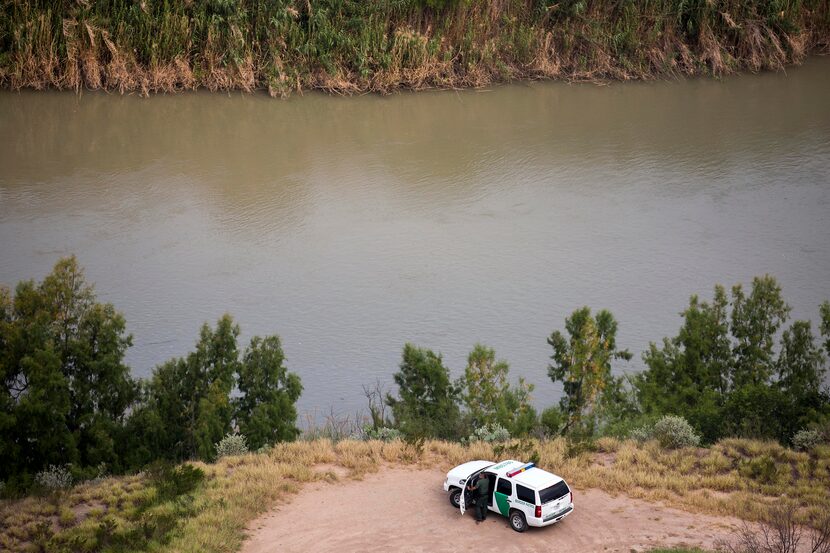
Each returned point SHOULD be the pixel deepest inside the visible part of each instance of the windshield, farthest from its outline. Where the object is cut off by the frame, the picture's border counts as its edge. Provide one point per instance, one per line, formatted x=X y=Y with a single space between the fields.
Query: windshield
x=554 y=492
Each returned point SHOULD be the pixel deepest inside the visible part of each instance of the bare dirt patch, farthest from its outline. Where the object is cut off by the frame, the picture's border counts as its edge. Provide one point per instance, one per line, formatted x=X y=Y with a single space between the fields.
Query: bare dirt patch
x=406 y=510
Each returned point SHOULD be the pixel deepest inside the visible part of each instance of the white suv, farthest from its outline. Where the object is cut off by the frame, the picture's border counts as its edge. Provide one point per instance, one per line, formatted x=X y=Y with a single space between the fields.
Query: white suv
x=524 y=493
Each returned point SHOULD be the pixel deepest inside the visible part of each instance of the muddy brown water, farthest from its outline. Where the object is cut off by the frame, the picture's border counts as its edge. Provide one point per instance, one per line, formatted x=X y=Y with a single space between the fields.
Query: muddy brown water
x=351 y=225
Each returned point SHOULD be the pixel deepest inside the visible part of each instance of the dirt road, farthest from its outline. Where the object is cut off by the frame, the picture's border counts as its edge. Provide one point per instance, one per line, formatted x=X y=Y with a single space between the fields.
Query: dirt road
x=407 y=511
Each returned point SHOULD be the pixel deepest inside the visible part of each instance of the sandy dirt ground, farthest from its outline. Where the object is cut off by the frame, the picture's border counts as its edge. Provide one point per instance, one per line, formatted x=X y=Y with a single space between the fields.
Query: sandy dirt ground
x=407 y=510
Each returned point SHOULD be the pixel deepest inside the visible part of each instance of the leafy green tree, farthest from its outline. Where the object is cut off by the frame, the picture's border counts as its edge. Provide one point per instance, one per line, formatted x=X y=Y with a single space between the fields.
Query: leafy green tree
x=265 y=412
x=192 y=394
x=800 y=363
x=66 y=388
x=489 y=397
x=147 y=434
x=582 y=362
x=618 y=411
x=427 y=405
x=755 y=321
x=690 y=375
x=186 y=408
x=722 y=371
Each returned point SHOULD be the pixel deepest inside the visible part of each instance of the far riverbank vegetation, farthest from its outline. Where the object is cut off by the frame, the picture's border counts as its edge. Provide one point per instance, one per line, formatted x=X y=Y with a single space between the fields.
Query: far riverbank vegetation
x=353 y=46
x=730 y=416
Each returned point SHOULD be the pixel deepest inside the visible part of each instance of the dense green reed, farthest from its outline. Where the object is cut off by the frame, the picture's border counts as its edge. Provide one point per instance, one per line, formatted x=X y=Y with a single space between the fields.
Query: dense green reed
x=381 y=45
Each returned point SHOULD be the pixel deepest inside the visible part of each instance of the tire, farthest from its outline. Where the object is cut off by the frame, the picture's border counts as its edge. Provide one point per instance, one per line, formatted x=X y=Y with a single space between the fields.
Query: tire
x=455 y=497
x=517 y=521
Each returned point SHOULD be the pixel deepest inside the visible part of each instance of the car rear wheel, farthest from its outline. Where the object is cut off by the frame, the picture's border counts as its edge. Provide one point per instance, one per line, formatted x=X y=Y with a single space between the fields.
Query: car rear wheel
x=517 y=521
x=455 y=497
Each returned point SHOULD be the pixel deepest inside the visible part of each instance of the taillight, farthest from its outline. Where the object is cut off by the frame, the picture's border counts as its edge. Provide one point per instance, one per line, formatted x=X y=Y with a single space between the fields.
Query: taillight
x=572 y=497
x=538 y=511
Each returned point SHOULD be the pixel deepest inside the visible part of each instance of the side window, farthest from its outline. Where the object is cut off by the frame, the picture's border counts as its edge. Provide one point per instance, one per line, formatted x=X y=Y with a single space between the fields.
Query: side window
x=525 y=494
x=505 y=487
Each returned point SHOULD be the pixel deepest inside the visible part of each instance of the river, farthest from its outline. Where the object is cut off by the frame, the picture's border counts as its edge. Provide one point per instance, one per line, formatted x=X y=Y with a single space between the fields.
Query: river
x=352 y=225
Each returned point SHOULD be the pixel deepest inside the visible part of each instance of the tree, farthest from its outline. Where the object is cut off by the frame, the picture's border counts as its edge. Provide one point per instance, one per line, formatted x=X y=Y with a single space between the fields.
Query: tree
x=192 y=394
x=265 y=412
x=490 y=398
x=755 y=322
x=825 y=325
x=582 y=362
x=800 y=363
x=66 y=388
x=722 y=371
x=689 y=376
x=186 y=408
x=427 y=405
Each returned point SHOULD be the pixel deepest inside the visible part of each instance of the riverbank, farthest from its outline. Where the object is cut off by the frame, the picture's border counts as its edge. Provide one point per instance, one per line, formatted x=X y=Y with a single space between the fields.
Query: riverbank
x=160 y=510
x=352 y=46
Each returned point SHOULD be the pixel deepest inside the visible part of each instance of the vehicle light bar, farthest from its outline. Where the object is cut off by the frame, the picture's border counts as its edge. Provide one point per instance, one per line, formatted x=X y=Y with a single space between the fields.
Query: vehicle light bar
x=513 y=473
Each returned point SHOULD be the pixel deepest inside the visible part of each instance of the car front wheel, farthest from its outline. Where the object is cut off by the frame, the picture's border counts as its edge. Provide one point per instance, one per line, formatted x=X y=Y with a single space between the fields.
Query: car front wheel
x=517 y=521
x=455 y=497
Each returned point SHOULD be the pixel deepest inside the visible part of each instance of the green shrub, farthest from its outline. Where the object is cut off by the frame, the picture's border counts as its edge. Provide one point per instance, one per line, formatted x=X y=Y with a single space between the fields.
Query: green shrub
x=641 y=434
x=673 y=432
x=171 y=482
x=805 y=440
x=54 y=478
x=553 y=420
x=490 y=433
x=383 y=433
x=231 y=444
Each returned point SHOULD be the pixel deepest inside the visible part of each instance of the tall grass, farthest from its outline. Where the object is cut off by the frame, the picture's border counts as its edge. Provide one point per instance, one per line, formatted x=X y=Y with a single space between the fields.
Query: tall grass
x=348 y=46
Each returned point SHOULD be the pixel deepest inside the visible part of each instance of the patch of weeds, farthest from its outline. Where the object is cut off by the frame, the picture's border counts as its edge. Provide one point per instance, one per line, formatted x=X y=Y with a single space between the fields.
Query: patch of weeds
x=41 y=535
x=762 y=469
x=413 y=448
x=523 y=449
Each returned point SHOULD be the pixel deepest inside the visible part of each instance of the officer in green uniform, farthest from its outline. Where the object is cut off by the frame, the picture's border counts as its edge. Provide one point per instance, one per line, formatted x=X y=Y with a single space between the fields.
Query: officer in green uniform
x=482 y=487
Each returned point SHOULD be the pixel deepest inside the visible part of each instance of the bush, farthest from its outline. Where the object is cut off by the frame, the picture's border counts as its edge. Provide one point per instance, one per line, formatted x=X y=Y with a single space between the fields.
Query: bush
x=171 y=482
x=805 y=440
x=383 y=433
x=552 y=420
x=490 y=433
x=641 y=434
x=231 y=444
x=673 y=432
x=56 y=477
